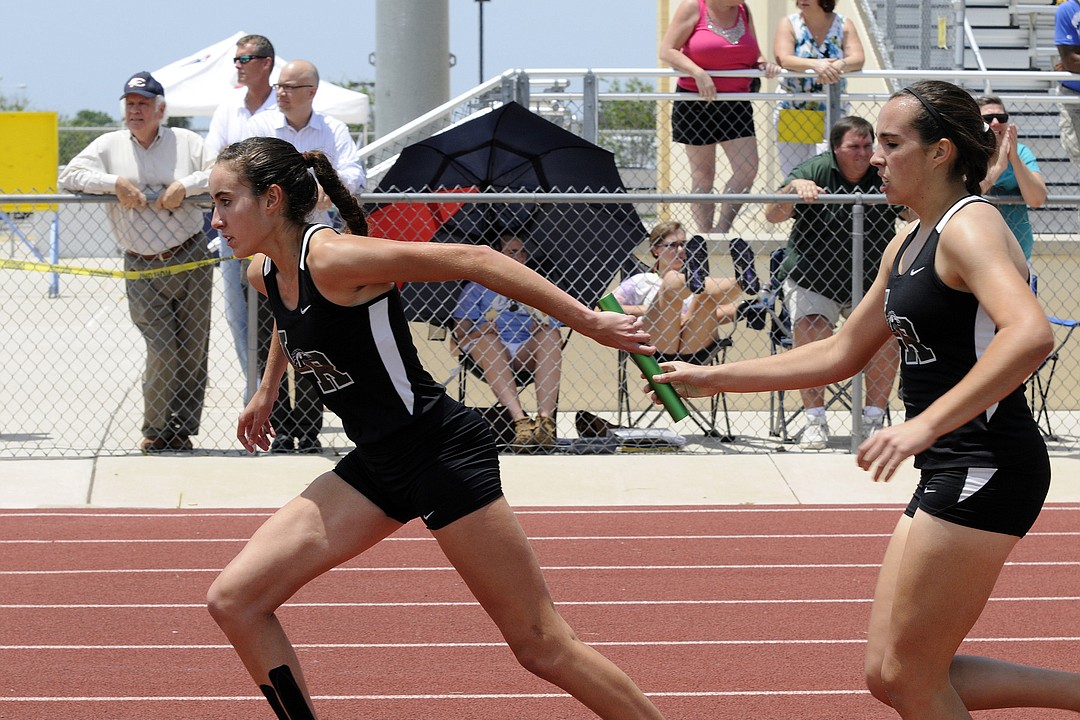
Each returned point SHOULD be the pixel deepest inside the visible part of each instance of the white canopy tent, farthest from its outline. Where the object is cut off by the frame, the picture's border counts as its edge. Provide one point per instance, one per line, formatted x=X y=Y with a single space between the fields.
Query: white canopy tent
x=196 y=84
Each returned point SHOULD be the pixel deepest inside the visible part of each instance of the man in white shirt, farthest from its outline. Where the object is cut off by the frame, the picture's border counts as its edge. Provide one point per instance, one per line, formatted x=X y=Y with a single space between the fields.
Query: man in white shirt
x=253 y=60
x=295 y=120
x=297 y=415
x=170 y=308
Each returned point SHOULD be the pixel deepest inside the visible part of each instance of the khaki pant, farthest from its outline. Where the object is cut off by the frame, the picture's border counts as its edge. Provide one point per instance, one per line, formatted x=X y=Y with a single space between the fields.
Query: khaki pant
x=1069 y=119
x=173 y=314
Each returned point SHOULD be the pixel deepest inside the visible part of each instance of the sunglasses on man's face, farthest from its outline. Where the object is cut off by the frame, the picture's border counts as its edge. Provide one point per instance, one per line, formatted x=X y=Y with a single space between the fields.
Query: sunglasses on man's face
x=245 y=59
x=989 y=118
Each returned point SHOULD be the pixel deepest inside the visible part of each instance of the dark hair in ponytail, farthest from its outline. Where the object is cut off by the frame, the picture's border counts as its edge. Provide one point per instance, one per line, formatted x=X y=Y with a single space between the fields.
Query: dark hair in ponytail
x=343 y=200
x=266 y=161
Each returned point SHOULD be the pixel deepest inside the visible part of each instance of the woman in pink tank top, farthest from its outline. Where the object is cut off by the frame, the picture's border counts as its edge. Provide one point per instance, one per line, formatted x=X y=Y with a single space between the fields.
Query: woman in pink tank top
x=706 y=36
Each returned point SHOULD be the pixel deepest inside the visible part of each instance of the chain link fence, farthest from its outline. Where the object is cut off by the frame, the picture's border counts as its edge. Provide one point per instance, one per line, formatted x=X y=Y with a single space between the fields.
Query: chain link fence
x=75 y=362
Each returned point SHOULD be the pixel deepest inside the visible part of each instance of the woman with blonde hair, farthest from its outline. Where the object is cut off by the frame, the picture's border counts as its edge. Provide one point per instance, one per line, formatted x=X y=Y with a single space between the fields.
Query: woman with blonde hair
x=683 y=318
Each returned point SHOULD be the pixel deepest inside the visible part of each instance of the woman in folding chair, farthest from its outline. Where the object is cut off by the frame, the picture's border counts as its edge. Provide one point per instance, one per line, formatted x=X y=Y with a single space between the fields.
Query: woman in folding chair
x=505 y=339
x=953 y=286
x=682 y=319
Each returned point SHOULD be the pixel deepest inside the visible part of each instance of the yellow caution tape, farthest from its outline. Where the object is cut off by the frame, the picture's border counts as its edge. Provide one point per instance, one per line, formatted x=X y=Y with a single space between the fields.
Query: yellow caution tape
x=98 y=272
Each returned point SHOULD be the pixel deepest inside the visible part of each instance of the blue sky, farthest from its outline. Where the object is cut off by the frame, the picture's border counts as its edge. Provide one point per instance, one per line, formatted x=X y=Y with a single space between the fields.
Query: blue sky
x=69 y=55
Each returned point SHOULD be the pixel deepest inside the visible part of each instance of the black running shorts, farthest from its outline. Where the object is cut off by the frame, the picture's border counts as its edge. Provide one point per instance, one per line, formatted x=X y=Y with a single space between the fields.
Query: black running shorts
x=440 y=469
x=992 y=499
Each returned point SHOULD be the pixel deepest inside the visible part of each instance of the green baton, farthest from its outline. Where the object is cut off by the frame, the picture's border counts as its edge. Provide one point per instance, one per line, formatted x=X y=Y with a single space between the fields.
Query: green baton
x=649 y=367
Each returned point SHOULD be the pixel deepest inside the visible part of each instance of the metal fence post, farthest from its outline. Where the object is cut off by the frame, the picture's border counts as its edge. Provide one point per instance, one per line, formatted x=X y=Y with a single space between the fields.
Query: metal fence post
x=834 y=108
x=521 y=88
x=54 y=256
x=858 y=218
x=590 y=109
x=252 y=360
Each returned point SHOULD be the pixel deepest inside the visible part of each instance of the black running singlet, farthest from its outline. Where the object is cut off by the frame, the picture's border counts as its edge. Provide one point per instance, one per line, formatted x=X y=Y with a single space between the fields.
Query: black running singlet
x=942 y=333
x=362 y=358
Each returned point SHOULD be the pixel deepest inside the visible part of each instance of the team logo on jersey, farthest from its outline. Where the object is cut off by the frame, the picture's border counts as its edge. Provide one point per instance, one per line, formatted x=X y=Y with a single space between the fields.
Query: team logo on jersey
x=912 y=351
x=317 y=366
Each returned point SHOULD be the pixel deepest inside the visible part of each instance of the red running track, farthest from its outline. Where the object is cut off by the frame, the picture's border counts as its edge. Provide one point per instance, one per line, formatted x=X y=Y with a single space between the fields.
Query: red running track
x=716 y=612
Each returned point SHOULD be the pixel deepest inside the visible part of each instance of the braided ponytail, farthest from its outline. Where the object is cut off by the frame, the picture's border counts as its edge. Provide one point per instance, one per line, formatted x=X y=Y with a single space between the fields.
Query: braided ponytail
x=331 y=184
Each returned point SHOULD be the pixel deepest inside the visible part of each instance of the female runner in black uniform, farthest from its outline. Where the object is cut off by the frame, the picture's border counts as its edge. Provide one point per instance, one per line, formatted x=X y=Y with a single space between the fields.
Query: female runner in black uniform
x=339 y=319
x=952 y=289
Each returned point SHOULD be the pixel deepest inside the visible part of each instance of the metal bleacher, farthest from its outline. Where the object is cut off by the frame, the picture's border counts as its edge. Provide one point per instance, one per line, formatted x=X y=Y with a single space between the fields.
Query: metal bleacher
x=1002 y=35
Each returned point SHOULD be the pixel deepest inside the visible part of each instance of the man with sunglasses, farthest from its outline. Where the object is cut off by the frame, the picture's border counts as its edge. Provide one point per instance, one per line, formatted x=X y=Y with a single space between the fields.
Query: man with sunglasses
x=169 y=305
x=253 y=61
x=1013 y=171
x=297 y=416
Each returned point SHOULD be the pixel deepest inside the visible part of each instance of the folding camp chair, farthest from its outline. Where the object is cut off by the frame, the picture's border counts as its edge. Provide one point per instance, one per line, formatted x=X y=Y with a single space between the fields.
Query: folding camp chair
x=523 y=377
x=497 y=416
x=704 y=419
x=1040 y=381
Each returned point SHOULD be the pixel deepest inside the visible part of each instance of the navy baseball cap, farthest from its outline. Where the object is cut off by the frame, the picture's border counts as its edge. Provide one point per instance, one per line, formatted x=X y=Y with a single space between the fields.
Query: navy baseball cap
x=143 y=83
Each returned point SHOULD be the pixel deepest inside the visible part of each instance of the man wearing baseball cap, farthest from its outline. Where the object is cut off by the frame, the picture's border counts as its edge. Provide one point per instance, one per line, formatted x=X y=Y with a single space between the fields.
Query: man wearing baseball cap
x=170 y=309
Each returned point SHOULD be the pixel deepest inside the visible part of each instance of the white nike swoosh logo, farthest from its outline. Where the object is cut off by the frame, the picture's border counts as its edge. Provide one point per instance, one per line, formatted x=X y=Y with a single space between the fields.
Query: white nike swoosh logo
x=428 y=516
x=305 y=309
x=916 y=271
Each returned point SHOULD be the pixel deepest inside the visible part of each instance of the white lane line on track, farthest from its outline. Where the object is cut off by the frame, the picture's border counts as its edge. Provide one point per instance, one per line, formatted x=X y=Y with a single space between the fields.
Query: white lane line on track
x=446 y=696
x=474 y=604
x=458 y=645
x=545 y=568
x=654 y=510
x=532 y=538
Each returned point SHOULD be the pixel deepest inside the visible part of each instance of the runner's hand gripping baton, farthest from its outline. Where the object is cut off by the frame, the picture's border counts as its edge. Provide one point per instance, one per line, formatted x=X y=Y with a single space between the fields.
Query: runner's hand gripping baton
x=649 y=367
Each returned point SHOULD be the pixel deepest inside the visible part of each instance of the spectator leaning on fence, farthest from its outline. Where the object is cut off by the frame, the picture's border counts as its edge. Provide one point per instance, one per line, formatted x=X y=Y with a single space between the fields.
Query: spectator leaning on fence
x=253 y=60
x=172 y=311
x=704 y=36
x=1013 y=171
x=298 y=414
x=817 y=46
x=817 y=288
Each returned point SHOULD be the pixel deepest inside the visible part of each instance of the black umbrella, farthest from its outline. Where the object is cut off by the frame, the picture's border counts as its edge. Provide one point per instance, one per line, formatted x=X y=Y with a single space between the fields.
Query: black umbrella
x=577 y=246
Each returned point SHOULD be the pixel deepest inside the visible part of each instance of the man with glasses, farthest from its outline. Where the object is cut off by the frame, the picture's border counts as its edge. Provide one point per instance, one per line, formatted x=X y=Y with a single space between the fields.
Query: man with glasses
x=253 y=61
x=297 y=416
x=1013 y=171
x=171 y=308
x=295 y=120
x=817 y=286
